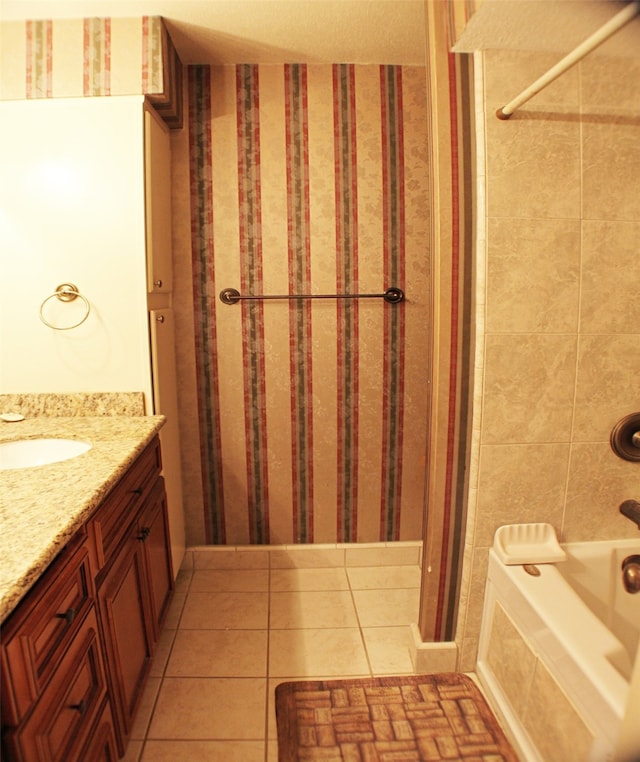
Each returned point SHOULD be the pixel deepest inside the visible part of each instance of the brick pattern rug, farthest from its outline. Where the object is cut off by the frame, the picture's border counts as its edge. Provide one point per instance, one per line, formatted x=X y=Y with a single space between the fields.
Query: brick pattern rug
x=388 y=719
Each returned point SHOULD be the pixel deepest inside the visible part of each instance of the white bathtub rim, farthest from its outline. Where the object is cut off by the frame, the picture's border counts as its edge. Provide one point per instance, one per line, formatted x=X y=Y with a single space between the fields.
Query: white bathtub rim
x=572 y=662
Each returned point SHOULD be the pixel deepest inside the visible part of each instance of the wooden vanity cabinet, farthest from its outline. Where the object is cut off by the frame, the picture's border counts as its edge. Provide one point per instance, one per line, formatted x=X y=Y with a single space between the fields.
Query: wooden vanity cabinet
x=76 y=652
x=135 y=582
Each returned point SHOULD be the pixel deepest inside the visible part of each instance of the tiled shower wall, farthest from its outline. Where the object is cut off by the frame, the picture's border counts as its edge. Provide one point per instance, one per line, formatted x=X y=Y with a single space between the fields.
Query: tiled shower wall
x=558 y=360
x=309 y=179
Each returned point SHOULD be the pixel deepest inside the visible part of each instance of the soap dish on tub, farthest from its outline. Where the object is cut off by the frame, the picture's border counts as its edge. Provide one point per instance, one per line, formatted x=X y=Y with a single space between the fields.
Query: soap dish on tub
x=527 y=544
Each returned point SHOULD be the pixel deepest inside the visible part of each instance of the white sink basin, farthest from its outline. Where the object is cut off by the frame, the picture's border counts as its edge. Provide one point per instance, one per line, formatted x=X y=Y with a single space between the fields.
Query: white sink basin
x=26 y=453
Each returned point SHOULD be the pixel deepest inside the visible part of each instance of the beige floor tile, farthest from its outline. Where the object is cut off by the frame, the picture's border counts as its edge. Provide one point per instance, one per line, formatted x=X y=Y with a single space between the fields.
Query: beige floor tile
x=387 y=608
x=133 y=751
x=175 y=611
x=146 y=708
x=220 y=611
x=230 y=580
x=219 y=653
x=388 y=650
x=183 y=580
x=201 y=751
x=310 y=652
x=309 y=579
x=163 y=650
x=380 y=577
x=272 y=750
x=312 y=609
x=210 y=709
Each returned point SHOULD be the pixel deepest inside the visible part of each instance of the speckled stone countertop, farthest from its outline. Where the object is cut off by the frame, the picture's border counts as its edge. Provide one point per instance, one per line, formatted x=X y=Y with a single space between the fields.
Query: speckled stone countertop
x=41 y=508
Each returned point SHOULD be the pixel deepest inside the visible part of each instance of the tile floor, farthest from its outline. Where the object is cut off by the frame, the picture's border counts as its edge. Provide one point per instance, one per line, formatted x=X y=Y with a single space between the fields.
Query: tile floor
x=244 y=620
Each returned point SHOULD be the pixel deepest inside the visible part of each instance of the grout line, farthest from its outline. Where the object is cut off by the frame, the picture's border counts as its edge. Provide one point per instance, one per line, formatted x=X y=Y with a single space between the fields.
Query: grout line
x=362 y=640
x=267 y=669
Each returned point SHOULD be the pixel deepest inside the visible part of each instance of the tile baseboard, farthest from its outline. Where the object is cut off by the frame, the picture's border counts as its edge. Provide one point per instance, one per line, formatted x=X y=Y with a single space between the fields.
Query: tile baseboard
x=303 y=556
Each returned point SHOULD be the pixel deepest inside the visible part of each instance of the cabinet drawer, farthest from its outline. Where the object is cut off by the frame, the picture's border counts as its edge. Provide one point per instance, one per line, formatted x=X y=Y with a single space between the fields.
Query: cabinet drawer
x=58 y=727
x=101 y=745
x=40 y=631
x=114 y=517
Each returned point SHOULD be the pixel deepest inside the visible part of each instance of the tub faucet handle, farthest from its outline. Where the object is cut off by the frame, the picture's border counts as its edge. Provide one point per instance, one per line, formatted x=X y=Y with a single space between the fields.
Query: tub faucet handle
x=631 y=509
x=631 y=574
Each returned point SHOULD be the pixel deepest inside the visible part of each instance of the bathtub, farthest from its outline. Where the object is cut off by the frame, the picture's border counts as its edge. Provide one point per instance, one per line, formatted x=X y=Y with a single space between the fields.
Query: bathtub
x=556 y=651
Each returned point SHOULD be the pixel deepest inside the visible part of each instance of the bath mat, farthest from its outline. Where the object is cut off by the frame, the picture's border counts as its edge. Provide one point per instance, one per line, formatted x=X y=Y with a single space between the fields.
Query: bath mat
x=412 y=718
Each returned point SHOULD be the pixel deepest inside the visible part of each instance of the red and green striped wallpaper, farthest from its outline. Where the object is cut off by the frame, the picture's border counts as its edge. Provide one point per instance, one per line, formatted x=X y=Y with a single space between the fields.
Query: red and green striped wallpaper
x=311 y=179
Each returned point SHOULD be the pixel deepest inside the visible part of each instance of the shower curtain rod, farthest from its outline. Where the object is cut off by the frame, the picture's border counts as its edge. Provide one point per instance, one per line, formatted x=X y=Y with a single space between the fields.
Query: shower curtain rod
x=597 y=38
x=391 y=295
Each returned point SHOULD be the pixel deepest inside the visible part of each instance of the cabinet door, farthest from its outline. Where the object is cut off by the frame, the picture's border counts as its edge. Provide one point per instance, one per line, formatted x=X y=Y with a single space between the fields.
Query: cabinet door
x=125 y=613
x=153 y=527
x=158 y=204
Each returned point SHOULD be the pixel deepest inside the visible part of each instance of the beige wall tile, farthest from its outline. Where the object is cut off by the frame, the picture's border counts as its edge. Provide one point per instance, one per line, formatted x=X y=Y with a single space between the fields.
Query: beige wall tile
x=307 y=557
x=468 y=654
x=610 y=265
x=610 y=83
x=533 y=168
x=598 y=482
x=511 y=660
x=392 y=554
x=533 y=275
x=568 y=475
x=228 y=557
x=553 y=723
x=529 y=385
x=507 y=72
x=611 y=180
x=476 y=592
x=607 y=385
x=369 y=578
x=520 y=483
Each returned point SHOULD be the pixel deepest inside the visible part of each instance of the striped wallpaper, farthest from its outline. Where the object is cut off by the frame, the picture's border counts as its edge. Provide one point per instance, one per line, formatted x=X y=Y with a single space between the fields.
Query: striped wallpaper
x=311 y=178
x=64 y=58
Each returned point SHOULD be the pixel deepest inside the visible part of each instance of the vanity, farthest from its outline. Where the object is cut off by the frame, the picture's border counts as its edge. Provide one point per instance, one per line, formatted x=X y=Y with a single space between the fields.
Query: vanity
x=85 y=582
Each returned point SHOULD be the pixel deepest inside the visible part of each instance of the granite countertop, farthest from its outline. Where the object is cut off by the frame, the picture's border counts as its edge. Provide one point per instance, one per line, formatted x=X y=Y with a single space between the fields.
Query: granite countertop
x=41 y=508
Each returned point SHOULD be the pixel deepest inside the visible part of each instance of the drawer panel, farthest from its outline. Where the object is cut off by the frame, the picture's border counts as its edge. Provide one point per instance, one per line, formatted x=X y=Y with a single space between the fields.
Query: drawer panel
x=60 y=722
x=114 y=517
x=101 y=745
x=42 y=628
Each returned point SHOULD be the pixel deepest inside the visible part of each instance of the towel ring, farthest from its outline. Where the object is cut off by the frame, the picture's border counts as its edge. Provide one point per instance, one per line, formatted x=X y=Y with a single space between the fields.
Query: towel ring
x=66 y=292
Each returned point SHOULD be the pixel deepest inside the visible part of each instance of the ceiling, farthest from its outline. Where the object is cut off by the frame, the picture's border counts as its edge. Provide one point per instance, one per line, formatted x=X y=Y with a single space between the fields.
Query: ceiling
x=548 y=25
x=264 y=31
x=346 y=31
